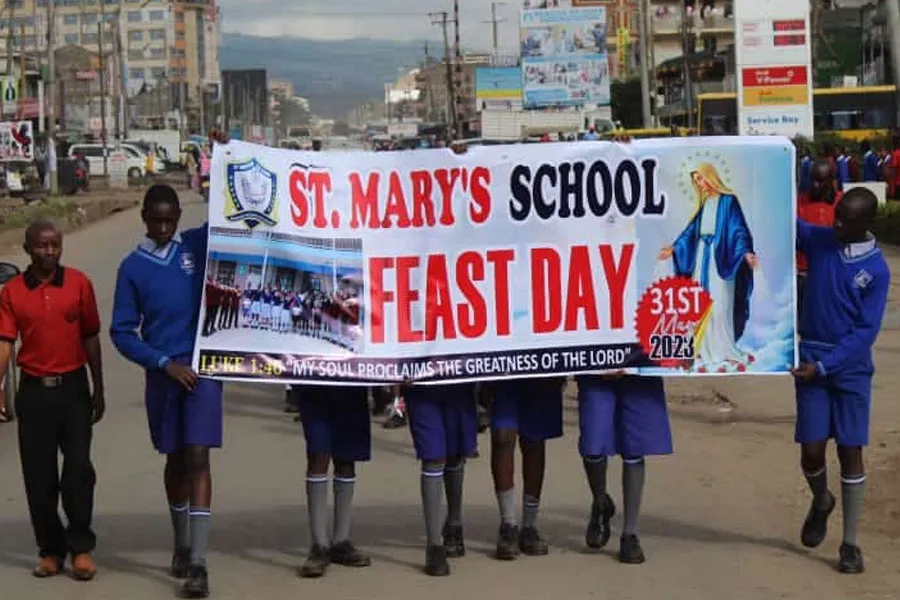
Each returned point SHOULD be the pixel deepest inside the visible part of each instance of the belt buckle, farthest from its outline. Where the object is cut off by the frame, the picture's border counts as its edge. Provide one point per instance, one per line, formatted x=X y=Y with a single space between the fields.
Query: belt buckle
x=53 y=381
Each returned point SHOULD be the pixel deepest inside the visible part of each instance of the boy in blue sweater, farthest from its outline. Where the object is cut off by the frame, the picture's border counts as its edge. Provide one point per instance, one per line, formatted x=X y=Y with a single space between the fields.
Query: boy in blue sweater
x=155 y=317
x=843 y=305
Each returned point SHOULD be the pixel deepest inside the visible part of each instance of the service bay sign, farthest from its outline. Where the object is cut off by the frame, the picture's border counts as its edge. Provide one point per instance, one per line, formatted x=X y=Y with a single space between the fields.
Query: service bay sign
x=774 y=65
x=660 y=256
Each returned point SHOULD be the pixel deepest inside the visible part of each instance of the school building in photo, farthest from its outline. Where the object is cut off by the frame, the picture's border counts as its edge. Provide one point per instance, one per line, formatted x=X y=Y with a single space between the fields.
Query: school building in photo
x=295 y=264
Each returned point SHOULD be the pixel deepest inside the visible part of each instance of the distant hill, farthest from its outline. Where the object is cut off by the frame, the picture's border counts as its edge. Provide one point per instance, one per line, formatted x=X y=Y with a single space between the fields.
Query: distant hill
x=336 y=76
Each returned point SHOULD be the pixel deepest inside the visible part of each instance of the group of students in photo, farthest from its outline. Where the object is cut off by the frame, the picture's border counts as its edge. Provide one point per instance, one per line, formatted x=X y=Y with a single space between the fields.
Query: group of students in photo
x=156 y=314
x=874 y=164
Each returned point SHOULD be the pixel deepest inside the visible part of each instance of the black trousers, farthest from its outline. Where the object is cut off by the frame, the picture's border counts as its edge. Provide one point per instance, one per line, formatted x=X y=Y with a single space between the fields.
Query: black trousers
x=53 y=420
x=209 y=323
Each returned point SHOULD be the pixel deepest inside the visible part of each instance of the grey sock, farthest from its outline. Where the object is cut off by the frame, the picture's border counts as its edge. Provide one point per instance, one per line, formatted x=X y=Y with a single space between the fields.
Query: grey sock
x=506 y=500
x=343 y=507
x=317 y=506
x=530 y=508
x=199 y=527
x=432 y=484
x=595 y=469
x=853 y=490
x=818 y=485
x=453 y=488
x=181 y=524
x=632 y=493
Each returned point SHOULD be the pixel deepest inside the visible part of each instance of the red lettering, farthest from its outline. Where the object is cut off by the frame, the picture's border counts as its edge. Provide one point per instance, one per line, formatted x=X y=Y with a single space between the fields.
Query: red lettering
x=396 y=204
x=378 y=296
x=617 y=278
x=447 y=179
x=546 y=284
x=580 y=295
x=299 y=201
x=438 y=305
x=320 y=184
x=423 y=204
x=500 y=260
x=480 y=205
x=406 y=296
x=472 y=314
x=364 y=203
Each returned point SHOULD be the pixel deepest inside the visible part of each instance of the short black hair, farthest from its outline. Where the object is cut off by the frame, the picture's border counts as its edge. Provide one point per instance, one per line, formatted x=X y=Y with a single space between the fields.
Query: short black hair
x=161 y=193
x=863 y=199
x=37 y=228
x=865 y=146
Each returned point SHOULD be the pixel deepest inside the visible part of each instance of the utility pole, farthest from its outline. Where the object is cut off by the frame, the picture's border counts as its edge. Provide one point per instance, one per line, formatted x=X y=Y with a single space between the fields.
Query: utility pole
x=687 y=31
x=122 y=118
x=893 y=29
x=444 y=22
x=494 y=22
x=51 y=97
x=103 y=134
x=644 y=35
x=457 y=83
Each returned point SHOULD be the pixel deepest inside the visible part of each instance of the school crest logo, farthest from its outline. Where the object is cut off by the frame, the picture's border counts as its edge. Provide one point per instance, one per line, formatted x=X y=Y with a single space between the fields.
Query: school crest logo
x=252 y=194
x=187 y=262
x=862 y=279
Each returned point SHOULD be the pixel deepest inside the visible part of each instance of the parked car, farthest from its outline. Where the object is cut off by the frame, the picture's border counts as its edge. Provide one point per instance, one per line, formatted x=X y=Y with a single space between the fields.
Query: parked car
x=93 y=153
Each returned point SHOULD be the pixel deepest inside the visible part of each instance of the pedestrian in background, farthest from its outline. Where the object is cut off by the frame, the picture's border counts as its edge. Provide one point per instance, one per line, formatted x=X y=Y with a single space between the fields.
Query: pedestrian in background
x=53 y=311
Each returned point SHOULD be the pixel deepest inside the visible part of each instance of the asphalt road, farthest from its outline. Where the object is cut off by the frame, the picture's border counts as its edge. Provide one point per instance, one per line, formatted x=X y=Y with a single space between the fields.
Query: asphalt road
x=722 y=515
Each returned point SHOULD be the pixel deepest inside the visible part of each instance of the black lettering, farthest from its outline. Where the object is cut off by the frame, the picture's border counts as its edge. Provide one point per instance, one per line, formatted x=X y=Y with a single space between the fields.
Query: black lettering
x=599 y=200
x=627 y=201
x=569 y=189
x=520 y=203
x=651 y=206
x=542 y=207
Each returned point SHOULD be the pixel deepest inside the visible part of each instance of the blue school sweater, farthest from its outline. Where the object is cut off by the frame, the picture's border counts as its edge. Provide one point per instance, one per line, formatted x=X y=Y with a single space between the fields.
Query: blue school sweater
x=843 y=170
x=156 y=307
x=871 y=167
x=844 y=298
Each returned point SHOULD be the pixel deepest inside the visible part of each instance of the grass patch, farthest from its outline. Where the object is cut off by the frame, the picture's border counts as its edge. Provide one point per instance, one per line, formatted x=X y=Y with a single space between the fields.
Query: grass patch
x=887 y=224
x=56 y=208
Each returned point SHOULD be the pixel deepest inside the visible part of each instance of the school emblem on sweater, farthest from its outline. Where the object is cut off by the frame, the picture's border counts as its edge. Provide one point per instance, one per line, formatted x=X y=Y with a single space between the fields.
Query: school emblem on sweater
x=252 y=191
x=862 y=279
x=188 y=264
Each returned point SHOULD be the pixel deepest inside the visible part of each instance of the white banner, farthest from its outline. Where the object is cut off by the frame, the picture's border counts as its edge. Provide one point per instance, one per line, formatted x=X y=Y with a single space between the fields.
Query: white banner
x=660 y=256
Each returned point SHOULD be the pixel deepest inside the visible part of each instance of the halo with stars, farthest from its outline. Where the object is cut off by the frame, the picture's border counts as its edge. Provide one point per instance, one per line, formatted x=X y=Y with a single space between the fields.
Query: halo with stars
x=690 y=162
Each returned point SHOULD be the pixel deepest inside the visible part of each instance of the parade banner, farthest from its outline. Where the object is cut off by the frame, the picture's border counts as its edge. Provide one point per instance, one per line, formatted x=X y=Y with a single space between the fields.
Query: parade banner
x=670 y=256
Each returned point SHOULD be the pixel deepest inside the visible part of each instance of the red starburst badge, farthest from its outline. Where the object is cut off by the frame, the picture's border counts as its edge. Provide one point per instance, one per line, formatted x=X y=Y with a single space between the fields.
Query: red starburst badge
x=669 y=320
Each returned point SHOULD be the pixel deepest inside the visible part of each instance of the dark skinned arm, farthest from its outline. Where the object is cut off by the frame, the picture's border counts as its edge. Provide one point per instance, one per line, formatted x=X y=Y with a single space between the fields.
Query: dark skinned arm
x=95 y=364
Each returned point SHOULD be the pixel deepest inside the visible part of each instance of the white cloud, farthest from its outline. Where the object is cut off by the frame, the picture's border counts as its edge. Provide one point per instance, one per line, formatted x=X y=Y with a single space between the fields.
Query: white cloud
x=379 y=19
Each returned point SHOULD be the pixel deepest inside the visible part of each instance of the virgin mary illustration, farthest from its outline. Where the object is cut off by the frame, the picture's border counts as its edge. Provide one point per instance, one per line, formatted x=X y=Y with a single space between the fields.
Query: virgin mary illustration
x=716 y=250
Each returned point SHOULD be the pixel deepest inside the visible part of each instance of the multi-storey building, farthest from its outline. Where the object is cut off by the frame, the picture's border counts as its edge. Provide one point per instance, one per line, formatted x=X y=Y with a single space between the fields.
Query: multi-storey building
x=162 y=41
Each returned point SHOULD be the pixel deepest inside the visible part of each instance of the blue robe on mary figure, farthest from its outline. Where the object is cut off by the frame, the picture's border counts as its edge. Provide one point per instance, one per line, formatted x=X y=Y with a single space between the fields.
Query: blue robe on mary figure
x=725 y=251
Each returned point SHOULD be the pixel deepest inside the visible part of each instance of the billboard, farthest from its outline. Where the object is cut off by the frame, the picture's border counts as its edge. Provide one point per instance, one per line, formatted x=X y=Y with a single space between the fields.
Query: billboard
x=564 y=60
x=498 y=88
x=775 y=84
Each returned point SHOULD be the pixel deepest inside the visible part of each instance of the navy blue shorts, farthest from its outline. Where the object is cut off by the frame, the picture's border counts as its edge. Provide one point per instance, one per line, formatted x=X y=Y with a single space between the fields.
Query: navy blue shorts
x=626 y=417
x=531 y=407
x=443 y=420
x=178 y=417
x=335 y=421
x=833 y=407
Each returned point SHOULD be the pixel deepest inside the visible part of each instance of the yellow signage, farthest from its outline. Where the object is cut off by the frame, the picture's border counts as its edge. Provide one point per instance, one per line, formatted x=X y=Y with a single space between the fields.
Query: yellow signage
x=783 y=95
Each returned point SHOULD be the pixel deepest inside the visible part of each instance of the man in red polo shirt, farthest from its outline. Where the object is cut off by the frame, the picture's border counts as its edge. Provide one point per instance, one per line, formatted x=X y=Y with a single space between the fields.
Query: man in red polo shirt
x=52 y=309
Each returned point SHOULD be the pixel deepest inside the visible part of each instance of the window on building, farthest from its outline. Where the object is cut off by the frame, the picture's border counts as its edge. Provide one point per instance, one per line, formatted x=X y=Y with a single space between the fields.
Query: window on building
x=134 y=16
x=71 y=38
x=70 y=20
x=157 y=34
x=157 y=15
x=179 y=17
x=136 y=74
x=91 y=18
x=135 y=36
x=89 y=38
x=179 y=36
x=157 y=52
x=157 y=73
x=135 y=55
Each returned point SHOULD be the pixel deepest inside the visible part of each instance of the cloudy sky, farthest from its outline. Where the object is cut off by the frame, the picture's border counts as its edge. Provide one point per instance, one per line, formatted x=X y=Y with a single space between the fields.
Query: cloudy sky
x=380 y=19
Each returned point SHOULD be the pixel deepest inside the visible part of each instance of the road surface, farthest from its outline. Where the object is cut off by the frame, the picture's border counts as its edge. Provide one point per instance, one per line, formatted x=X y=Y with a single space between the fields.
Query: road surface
x=721 y=517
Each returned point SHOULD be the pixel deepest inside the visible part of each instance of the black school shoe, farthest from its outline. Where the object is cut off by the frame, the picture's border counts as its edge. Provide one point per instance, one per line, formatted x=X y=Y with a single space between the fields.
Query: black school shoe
x=507 y=542
x=436 y=564
x=347 y=555
x=316 y=563
x=197 y=584
x=181 y=561
x=815 y=527
x=598 y=530
x=851 y=560
x=531 y=543
x=454 y=542
x=630 y=551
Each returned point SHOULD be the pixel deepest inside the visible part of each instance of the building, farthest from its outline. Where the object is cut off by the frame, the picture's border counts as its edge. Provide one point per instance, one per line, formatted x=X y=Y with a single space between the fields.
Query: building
x=283 y=88
x=245 y=93
x=434 y=100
